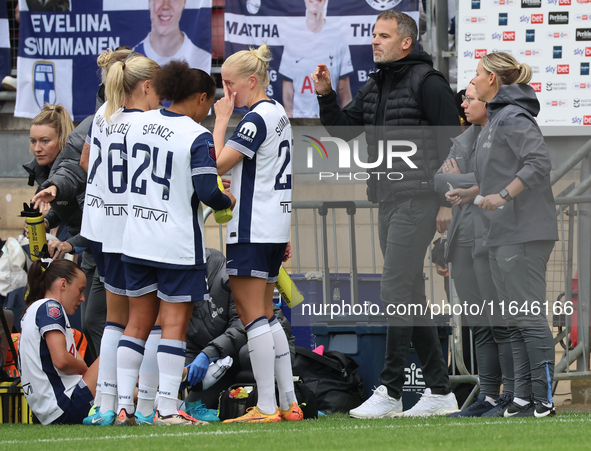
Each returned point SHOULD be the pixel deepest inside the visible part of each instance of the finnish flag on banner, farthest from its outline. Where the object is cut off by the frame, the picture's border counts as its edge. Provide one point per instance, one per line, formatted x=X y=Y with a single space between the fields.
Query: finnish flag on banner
x=302 y=35
x=60 y=40
x=4 y=41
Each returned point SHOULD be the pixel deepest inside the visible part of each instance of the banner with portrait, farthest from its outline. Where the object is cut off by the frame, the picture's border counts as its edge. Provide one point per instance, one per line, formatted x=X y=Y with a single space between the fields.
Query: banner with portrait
x=60 y=41
x=305 y=33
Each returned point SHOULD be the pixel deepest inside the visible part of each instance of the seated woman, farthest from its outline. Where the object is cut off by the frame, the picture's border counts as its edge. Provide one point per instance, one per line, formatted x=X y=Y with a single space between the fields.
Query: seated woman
x=57 y=384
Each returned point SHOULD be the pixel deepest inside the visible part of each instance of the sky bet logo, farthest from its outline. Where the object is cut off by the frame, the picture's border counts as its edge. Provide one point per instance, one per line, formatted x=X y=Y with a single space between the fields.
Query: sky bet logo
x=503 y=19
x=586 y=120
x=479 y=53
x=562 y=69
x=564 y=2
x=537 y=87
x=524 y=19
x=394 y=149
x=537 y=18
x=557 y=52
x=508 y=35
x=496 y=36
x=558 y=18
x=530 y=35
x=475 y=19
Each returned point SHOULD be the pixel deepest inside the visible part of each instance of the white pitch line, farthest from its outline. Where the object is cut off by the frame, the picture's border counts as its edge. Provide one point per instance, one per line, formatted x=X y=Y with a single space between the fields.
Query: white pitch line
x=585 y=419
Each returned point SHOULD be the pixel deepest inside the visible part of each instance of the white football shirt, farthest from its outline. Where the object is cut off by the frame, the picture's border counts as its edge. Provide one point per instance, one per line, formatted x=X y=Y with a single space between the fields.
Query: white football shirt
x=93 y=214
x=302 y=52
x=262 y=182
x=47 y=389
x=111 y=141
x=193 y=55
x=164 y=150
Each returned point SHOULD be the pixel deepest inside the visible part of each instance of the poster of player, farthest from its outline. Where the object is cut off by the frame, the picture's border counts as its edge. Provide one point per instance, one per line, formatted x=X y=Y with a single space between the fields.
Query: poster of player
x=305 y=33
x=58 y=47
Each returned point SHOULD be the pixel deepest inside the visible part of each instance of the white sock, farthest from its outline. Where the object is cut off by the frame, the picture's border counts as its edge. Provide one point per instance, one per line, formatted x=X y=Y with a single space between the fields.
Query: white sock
x=97 y=394
x=171 y=361
x=262 y=358
x=283 y=371
x=489 y=400
x=148 y=383
x=108 y=366
x=520 y=402
x=130 y=354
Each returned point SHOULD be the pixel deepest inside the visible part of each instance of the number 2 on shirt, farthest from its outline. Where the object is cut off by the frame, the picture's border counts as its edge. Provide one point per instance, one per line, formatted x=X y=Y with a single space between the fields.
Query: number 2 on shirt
x=286 y=183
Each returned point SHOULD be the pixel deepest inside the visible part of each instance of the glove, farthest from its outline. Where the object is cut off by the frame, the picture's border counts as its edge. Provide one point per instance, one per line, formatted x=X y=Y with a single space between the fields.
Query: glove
x=198 y=368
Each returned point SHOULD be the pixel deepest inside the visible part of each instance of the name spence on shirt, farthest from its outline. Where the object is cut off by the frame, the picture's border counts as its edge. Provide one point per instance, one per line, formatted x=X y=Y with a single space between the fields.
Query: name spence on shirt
x=160 y=130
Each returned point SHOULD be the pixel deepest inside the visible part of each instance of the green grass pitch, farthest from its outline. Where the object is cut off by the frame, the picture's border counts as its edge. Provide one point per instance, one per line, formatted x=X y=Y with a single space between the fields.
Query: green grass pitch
x=569 y=431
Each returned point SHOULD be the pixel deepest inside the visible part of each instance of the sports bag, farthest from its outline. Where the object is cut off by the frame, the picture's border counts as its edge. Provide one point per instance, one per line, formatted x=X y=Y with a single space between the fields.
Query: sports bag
x=332 y=377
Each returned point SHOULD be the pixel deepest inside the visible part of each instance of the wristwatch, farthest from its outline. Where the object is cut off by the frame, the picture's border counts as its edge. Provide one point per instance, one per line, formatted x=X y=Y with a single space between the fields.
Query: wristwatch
x=505 y=195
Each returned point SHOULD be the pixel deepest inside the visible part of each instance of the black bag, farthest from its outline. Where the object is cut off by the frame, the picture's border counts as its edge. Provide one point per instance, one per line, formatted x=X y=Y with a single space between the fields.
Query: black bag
x=235 y=407
x=332 y=377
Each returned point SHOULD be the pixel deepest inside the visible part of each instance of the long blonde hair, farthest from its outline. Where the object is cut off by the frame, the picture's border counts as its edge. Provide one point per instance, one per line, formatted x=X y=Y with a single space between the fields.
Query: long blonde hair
x=57 y=117
x=123 y=77
x=251 y=62
x=507 y=69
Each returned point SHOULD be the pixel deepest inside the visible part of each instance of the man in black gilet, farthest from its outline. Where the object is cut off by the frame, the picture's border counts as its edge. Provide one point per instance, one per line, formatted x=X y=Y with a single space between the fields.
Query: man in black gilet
x=405 y=99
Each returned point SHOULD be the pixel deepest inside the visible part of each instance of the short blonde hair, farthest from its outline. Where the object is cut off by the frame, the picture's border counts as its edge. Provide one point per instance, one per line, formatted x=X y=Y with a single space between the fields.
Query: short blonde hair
x=507 y=69
x=251 y=62
x=57 y=117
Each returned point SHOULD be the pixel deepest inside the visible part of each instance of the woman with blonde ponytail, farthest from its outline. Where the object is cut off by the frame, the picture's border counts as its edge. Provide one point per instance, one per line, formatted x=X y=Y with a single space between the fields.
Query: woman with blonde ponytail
x=513 y=175
x=129 y=92
x=258 y=235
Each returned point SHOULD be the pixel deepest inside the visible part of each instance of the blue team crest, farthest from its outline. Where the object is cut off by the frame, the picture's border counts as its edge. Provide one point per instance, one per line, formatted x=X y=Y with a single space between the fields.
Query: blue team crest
x=211 y=148
x=53 y=310
x=44 y=83
x=383 y=5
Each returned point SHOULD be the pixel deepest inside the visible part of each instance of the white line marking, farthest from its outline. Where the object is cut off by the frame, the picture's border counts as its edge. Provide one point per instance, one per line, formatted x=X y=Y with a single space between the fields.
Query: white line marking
x=583 y=419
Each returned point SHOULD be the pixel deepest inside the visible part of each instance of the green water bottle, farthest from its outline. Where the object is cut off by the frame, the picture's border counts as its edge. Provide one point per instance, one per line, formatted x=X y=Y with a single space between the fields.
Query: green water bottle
x=222 y=216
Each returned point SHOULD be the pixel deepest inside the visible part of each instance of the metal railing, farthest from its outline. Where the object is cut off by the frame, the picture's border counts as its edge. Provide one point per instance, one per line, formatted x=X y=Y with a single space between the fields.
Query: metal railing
x=574 y=220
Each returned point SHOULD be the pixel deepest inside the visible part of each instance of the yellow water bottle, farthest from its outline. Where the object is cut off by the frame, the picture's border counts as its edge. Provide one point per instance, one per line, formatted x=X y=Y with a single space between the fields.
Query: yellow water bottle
x=36 y=227
x=222 y=216
x=289 y=292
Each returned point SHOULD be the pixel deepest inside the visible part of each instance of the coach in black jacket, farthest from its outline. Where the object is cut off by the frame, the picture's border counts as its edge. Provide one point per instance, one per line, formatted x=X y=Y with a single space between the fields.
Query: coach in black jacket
x=404 y=99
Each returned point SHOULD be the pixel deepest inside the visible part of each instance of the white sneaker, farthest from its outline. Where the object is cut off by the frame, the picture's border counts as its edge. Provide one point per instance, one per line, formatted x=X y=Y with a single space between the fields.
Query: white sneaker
x=430 y=405
x=379 y=405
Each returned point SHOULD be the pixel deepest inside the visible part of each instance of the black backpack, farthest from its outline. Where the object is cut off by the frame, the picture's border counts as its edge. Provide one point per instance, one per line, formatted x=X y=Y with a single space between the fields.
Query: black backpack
x=332 y=377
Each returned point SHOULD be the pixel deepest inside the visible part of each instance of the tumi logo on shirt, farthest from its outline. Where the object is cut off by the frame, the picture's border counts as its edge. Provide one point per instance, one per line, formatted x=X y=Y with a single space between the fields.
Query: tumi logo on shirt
x=537 y=87
x=479 y=53
x=562 y=69
x=508 y=35
x=558 y=18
